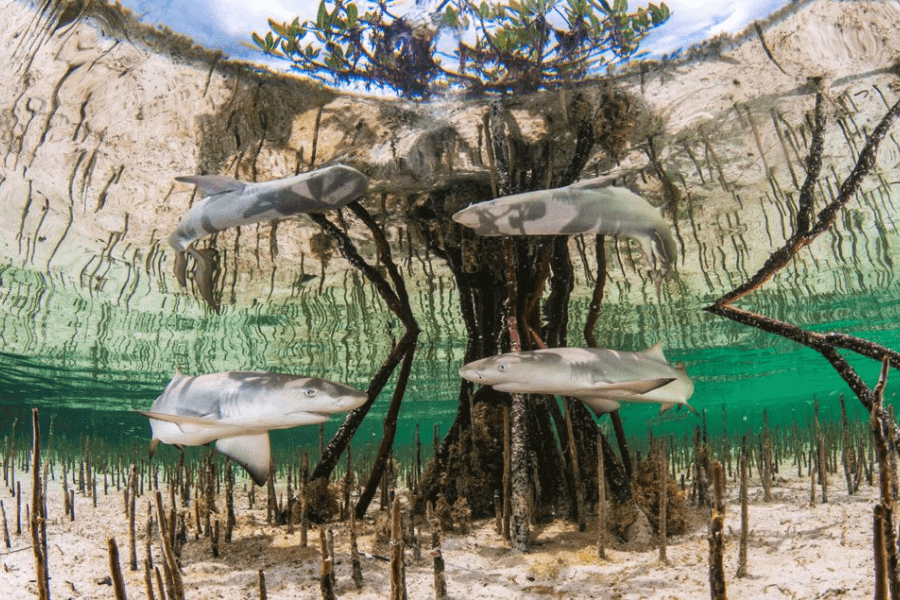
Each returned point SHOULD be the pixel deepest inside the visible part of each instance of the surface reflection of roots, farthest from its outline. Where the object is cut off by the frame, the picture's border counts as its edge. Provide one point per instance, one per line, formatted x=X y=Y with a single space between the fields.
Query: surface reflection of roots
x=205 y=272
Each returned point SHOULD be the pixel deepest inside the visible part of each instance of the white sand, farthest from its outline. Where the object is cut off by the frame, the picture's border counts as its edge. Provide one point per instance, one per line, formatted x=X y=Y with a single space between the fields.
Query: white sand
x=796 y=551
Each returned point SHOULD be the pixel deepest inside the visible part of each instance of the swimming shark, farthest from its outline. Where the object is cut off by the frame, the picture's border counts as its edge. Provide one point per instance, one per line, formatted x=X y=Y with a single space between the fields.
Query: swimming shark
x=230 y=203
x=599 y=377
x=239 y=408
x=576 y=209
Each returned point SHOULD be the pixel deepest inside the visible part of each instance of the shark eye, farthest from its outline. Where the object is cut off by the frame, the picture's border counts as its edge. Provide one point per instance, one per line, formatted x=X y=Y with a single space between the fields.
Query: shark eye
x=501 y=367
x=309 y=392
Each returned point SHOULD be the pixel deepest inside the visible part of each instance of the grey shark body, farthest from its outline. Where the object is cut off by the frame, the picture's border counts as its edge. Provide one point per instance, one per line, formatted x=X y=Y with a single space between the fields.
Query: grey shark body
x=572 y=210
x=599 y=377
x=231 y=203
x=239 y=408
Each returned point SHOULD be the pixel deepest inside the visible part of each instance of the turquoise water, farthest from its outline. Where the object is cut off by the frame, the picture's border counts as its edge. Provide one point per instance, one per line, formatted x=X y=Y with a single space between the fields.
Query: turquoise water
x=89 y=363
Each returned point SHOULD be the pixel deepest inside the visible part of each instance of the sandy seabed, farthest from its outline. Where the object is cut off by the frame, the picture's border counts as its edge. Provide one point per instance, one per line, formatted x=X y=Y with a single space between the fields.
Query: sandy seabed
x=796 y=550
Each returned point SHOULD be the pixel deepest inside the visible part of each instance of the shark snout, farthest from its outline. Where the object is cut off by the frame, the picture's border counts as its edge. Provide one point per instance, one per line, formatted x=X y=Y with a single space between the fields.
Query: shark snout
x=353 y=399
x=466 y=217
x=471 y=374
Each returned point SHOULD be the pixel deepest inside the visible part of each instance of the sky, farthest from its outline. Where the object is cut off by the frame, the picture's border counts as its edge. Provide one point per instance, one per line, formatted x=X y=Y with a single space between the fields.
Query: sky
x=227 y=24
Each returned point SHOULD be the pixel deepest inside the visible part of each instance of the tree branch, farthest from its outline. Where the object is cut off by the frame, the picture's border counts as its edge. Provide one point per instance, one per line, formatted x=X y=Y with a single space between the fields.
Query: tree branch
x=825 y=344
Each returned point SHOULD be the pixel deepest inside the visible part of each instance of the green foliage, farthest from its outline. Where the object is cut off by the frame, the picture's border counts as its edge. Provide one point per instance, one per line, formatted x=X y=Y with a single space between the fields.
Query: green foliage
x=520 y=46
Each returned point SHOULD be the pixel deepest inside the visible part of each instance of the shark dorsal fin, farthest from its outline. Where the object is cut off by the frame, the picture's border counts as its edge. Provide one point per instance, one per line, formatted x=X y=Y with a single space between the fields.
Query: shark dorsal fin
x=655 y=352
x=213 y=184
x=177 y=377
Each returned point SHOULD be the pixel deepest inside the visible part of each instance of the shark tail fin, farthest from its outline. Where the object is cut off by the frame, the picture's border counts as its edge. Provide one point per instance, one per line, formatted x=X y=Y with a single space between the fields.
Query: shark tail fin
x=667 y=405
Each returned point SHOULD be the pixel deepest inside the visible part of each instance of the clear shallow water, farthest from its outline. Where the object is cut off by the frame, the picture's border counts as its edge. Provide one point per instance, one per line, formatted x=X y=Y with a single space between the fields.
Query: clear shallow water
x=92 y=324
x=89 y=363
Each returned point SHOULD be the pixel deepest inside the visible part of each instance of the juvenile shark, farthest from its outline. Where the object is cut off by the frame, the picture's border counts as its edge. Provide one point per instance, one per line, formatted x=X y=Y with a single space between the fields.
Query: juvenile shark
x=600 y=378
x=230 y=203
x=239 y=408
x=574 y=209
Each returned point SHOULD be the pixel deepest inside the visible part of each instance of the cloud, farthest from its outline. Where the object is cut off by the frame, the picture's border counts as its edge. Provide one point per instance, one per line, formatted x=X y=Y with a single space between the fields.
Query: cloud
x=693 y=21
x=227 y=24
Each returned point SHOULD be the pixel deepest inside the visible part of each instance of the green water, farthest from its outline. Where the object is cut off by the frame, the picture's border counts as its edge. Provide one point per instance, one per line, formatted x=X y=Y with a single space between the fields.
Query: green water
x=88 y=360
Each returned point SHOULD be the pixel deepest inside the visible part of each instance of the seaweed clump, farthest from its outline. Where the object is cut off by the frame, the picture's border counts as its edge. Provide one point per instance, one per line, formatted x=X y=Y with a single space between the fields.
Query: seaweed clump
x=321 y=500
x=614 y=121
x=470 y=466
x=646 y=494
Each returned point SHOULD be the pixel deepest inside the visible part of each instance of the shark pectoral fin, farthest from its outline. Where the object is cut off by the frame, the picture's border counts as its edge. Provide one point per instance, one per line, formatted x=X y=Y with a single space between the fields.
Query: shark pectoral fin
x=635 y=386
x=153 y=444
x=213 y=184
x=600 y=405
x=208 y=428
x=180 y=419
x=249 y=451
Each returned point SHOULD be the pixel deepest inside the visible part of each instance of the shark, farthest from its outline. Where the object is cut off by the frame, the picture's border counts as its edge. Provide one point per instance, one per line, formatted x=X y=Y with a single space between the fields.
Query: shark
x=237 y=409
x=575 y=209
x=230 y=203
x=599 y=377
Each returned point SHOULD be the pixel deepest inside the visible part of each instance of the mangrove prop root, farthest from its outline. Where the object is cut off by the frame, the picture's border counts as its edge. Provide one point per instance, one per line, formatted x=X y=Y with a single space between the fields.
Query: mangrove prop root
x=355 y=563
x=805 y=232
x=115 y=569
x=38 y=521
x=263 y=595
x=132 y=498
x=601 y=502
x=159 y=584
x=326 y=584
x=440 y=582
x=520 y=530
x=230 y=518
x=398 y=585
x=745 y=518
x=148 y=581
x=168 y=553
x=881 y=588
x=663 y=499
x=396 y=300
x=717 y=537
x=390 y=428
x=6 y=540
x=886 y=482
x=573 y=456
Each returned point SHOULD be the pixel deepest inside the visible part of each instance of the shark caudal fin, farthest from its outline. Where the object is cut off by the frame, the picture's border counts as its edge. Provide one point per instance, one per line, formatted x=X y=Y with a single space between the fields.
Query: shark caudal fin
x=249 y=451
x=667 y=405
x=213 y=184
